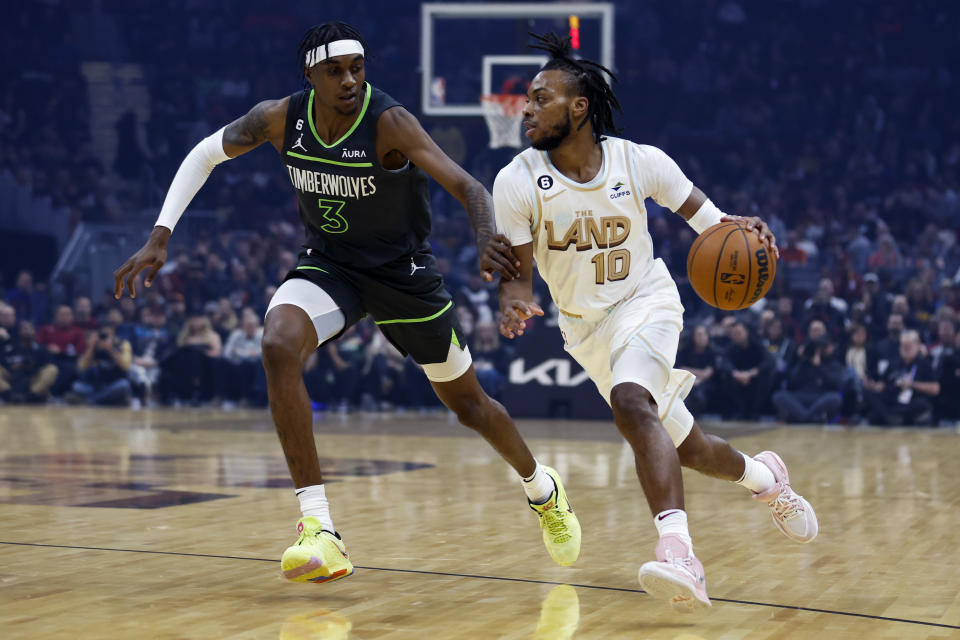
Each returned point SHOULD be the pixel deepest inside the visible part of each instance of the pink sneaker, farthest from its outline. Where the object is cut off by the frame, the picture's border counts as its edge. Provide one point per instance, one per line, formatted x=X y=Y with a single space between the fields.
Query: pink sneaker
x=677 y=576
x=792 y=514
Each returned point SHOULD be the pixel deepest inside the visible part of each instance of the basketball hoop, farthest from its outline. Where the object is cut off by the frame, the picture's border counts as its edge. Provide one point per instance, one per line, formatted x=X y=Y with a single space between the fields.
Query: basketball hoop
x=503 y=113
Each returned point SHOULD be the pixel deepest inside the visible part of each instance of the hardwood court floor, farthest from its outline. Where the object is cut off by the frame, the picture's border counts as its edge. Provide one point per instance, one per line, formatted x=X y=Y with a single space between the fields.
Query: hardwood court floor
x=169 y=524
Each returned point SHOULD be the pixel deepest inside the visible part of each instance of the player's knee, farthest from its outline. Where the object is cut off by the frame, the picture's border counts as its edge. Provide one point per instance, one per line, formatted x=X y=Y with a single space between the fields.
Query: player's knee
x=472 y=411
x=280 y=347
x=634 y=410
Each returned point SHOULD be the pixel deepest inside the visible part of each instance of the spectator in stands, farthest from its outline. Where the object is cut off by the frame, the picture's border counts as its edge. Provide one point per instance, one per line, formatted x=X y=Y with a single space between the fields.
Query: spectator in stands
x=476 y=293
x=875 y=304
x=857 y=371
x=491 y=358
x=8 y=322
x=948 y=402
x=83 y=314
x=348 y=356
x=941 y=348
x=790 y=252
x=824 y=296
x=920 y=300
x=748 y=380
x=121 y=328
x=700 y=358
x=223 y=317
x=187 y=374
x=886 y=350
x=813 y=386
x=901 y=306
x=26 y=370
x=65 y=342
x=907 y=389
x=828 y=309
x=29 y=300
x=151 y=344
x=792 y=328
x=383 y=375
x=781 y=348
x=240 y=367
x=887 y=256
x=176 y=315
x=103 y=370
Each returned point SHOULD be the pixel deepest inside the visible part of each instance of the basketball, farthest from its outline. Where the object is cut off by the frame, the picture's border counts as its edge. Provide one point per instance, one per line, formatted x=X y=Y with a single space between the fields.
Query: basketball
x=729 y=267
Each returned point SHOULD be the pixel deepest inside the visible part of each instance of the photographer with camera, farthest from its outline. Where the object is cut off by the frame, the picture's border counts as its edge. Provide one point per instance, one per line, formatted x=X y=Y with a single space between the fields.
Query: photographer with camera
x=814 y=382
x=103 y=369
x=26 y=371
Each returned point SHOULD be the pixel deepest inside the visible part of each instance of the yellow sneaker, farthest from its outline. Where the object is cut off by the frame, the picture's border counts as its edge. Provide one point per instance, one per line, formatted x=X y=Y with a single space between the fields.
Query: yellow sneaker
x=318 y=556
x=561 y=530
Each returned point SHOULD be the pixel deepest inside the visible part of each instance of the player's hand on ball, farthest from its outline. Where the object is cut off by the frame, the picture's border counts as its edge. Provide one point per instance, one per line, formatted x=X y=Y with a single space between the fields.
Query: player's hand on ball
x=515 y=315
x=758 y=226
x=498 y=256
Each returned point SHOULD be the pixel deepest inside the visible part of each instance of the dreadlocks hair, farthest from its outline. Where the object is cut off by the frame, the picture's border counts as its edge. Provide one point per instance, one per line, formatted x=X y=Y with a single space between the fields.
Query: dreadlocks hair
x=590 y=82
x=324 y=34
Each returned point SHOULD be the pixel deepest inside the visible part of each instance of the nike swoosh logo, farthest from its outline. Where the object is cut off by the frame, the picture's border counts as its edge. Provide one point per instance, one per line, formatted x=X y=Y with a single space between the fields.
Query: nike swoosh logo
x=665 y=515
x=551 y=197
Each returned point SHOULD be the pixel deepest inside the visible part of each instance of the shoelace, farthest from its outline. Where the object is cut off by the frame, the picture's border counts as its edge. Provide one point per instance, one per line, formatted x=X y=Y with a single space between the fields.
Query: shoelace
x=683 y=562
x=555 y=522
x=787 y=506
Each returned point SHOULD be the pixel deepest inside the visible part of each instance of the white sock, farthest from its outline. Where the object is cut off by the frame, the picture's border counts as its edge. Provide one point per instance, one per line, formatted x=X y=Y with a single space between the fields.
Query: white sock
x=756 y=476
x=313 y=502
x=539 y=486
x=673 y=521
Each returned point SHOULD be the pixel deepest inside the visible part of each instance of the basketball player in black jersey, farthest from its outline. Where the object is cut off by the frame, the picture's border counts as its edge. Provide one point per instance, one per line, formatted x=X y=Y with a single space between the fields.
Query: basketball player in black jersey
x=359 y=163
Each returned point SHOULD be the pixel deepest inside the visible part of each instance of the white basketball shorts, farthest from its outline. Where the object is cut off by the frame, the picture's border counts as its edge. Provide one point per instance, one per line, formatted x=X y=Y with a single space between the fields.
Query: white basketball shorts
x=636 y=341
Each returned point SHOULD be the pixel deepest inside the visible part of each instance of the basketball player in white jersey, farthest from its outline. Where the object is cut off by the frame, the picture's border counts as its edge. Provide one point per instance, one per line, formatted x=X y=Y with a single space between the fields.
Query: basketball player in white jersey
x=574 y=202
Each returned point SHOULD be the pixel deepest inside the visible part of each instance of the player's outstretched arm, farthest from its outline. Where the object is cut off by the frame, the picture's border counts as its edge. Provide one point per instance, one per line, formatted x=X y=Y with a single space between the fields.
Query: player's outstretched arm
x=265 y=122
x=516 y=296
x=398 y=129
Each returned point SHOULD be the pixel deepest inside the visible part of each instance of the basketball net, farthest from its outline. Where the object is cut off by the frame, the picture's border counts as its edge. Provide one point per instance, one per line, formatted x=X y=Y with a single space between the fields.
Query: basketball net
x=503 y=113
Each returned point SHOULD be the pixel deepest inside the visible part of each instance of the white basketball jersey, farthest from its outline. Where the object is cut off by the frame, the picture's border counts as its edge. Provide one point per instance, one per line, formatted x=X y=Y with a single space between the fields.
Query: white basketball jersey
x=590 y=240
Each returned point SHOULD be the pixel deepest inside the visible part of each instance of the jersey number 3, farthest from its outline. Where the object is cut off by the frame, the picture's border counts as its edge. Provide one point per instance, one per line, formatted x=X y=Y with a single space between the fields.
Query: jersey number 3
x=330 y=210
x=611 y=266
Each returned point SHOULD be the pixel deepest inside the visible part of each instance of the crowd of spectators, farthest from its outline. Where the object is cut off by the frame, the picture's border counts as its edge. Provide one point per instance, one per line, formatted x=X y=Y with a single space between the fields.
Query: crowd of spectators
x=194 y=338
x=897 y=365
x=849 y=149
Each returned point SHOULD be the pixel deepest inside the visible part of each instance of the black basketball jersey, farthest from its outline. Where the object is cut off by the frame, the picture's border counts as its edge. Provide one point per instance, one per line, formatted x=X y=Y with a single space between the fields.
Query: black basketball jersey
x=355 y=212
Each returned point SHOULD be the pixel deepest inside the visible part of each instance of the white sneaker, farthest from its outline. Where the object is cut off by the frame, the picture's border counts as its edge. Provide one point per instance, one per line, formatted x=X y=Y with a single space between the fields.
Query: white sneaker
x=677 y=576
x=790 y=511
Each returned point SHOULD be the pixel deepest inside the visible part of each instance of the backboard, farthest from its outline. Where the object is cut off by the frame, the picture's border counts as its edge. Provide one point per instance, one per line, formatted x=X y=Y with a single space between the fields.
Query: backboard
x=471 y=50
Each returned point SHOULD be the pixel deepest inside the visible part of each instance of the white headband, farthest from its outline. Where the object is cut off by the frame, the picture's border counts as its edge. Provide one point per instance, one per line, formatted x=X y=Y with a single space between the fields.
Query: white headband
x=332 y=49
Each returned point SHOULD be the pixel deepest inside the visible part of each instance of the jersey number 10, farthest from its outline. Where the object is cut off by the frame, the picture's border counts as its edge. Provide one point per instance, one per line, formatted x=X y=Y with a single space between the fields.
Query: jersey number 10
x=611 y=266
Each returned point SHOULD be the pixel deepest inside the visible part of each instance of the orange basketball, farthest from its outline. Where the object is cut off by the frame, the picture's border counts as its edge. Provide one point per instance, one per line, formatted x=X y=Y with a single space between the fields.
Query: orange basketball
x=729 y=267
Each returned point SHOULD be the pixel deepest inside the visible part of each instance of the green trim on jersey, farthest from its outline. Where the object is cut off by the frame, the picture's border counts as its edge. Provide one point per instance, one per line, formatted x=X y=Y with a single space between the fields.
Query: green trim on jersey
x=427 y=319
x=312 y=269
x=453 y=338
x=313 y=127
x=336 y=162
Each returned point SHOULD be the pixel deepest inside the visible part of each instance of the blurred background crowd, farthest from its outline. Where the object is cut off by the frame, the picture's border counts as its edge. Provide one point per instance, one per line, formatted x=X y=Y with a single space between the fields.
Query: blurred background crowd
x=837 y=125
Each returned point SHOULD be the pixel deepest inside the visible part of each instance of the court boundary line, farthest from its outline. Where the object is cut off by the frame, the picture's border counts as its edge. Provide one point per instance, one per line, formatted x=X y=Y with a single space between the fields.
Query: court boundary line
x=501 y=578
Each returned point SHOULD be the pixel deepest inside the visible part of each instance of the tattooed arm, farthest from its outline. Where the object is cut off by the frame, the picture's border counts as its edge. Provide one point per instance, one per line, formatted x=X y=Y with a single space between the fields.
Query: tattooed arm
x=265 y=122
x=399 y=131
